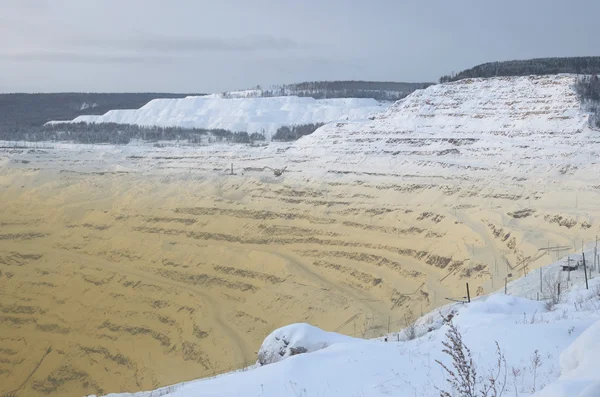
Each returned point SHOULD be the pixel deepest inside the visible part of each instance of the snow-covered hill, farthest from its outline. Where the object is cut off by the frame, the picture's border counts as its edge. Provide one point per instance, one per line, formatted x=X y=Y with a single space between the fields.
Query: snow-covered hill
x=513 y=125
x=240 y=114
x=548 y=350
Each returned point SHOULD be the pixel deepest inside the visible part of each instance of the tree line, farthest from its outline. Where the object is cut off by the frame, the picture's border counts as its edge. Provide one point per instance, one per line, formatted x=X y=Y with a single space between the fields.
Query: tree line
x=538 y=66
x=295 y=132
x=379 y=90
x=34 y=110
x=588 y=90
x=121 y=134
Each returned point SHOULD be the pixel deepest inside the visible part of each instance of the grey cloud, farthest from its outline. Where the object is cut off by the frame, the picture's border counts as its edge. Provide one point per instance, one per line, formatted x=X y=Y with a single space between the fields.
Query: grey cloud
x=157 y=49
x=195 y=44
x=191 y=45
x=78 y=57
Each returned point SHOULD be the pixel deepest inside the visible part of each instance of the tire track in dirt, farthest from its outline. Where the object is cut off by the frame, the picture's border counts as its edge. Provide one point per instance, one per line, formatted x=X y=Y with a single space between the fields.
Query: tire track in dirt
x=304 y=271
x=239 y=346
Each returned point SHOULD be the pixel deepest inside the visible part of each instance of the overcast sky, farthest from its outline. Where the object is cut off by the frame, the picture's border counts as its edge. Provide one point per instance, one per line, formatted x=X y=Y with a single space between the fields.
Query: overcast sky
x=217 y=45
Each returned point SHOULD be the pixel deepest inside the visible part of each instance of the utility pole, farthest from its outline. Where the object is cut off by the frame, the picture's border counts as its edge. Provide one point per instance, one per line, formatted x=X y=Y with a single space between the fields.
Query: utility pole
x=495 y=266
x=468 y=294
x=585 y=271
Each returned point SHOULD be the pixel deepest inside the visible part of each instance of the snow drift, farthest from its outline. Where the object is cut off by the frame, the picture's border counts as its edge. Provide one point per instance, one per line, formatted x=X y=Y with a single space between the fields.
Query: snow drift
x=297 y=339
x=579 y=368
x=239 y=114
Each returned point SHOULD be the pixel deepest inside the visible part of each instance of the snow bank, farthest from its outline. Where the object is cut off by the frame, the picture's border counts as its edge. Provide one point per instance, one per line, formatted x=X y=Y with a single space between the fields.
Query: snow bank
x=297 y=339
x=580 y=371
x=239 y=114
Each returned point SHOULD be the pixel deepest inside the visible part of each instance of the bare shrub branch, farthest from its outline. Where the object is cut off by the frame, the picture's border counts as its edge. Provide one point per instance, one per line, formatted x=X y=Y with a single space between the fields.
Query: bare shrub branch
x=462 y=378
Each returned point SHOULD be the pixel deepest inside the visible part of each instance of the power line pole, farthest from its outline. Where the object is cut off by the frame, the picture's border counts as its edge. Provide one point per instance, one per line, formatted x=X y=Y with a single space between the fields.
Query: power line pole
x=468 y=294
x=585 y=272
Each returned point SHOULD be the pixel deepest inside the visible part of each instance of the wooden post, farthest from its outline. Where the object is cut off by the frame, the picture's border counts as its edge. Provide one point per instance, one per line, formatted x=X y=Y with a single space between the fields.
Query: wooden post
x=468 y=294
x=505 y=285
x=541 y=284
x=231 y=168
x=585 y=271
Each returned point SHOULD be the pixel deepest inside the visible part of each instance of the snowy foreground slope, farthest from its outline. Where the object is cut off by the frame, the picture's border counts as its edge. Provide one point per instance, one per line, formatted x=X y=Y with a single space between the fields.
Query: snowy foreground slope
x=239 y=114
x=565 y=340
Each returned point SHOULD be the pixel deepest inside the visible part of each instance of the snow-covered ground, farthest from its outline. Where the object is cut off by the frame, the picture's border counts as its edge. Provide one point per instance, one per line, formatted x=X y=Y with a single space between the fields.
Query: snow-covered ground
x=506 y=129
x=511 y=126
x=548 y=352
x=240 y=114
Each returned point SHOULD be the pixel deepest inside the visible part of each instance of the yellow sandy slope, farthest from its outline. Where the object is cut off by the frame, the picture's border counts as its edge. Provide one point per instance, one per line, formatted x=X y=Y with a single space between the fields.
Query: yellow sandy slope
x=123 y=282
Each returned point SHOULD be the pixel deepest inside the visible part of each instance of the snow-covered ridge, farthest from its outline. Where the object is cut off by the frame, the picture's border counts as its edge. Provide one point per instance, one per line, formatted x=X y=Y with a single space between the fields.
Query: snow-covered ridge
x=486 y=125
x=494 y=105
x=239 y=114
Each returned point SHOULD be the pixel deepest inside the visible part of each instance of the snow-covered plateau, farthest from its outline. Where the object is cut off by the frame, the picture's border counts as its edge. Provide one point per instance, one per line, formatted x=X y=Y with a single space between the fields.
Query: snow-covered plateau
x=262 y=115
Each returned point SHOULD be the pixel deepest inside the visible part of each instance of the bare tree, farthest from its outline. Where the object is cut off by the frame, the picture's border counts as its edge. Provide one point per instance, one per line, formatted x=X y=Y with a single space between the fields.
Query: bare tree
x=410 y=325
x=551 y=292
x=366 y=326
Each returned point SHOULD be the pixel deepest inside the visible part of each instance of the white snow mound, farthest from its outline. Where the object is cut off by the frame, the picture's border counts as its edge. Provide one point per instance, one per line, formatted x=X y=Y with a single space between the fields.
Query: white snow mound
x=296 y=339
x=579 y=367
x=239 y=114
